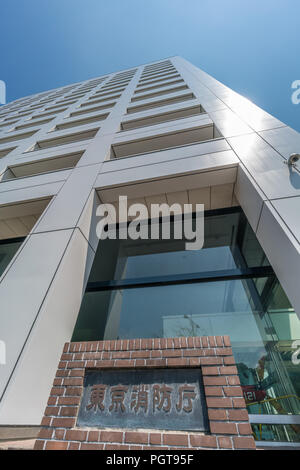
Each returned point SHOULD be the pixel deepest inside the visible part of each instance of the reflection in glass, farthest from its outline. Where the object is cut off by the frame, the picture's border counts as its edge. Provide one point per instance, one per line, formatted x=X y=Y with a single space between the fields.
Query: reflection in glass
x=254 y=312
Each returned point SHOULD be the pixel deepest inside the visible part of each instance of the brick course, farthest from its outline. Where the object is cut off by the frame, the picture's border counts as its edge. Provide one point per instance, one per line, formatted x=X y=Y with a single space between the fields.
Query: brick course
x=227 y=413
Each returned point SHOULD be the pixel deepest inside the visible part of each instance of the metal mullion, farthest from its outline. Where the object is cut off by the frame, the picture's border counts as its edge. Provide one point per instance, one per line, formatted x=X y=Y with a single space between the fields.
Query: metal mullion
x=213 y=276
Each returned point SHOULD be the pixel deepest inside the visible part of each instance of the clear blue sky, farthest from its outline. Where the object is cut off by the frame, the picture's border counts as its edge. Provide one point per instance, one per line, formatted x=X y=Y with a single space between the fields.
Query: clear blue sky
x=250 y=45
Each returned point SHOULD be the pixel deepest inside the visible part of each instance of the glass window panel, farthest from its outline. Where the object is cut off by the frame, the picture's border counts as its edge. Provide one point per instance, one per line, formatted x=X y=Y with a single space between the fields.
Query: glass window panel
x=229 y=243
x=8 y=249
x=262 y=347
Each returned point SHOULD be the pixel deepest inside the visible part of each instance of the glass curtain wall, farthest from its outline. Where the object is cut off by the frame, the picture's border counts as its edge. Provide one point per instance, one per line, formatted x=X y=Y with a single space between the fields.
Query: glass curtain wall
x=156 y=288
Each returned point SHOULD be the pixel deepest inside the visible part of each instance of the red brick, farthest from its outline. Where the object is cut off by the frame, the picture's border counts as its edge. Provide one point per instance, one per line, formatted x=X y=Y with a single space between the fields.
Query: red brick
x=214 y=391
x=204 y=340
x=63 y=422
x=111 y=436
x=121 y=355
x=206 y=361
x=92 y=447
x=93 y=436
x=244 y=443
x=140 y=354
x=56 y=445
x=198 y=440
x=73 y=391
x=217 y=415
x=239 y=403
x=223 y=428
x=214 y=380
x=223 y=351
x=228 y=370
x=140 y=362
x=124 y=363
x=116 y=447
x=233 y=380
x=39 y=445
x=57 y=391
x=175 y=439
x=229 y=360
x=45 y=433
x=57 y=382
x=59 y=433
x=219 y=341
x=233 y=391
x=74 y=446
x=155 y=353
x=62 y=364
x=68 y=411
x=52 y=401
x=77 y=372
x=178 y=362
x=156 y=362
x=73 y=382
x=226 y=341
x=245 y=428
x=75 y=364
x=76 y=435
x=212 y=341
x=62 y=373
x=136 y=437
x=51 y=411
x=218 y=402
x=90 y=364
x=210 y=370
x=194 y=361
x=225 y=442
x=105 y=363
x=68 y=401
x=46 y=421
x=183 y=342
x=155 y=438
x=238 y=415
x=172 y=353
x=136 y=447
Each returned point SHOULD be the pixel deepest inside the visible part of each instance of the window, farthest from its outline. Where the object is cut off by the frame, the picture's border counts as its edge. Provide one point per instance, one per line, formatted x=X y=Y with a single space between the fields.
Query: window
x=8 y=249
x=14 y=137
x=80 y=122
x=64 y=140
x=155 y=288
x=162 y=102
x=165 y=140
x=164 y=91
x=63 y=162
x=150 y=119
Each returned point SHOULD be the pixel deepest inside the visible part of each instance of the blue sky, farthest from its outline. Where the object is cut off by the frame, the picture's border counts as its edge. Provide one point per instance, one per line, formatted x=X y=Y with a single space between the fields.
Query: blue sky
x=250 y=45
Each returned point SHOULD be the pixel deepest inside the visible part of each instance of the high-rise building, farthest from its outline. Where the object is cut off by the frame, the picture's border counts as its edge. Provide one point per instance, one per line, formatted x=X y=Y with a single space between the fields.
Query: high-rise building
x=164 y=132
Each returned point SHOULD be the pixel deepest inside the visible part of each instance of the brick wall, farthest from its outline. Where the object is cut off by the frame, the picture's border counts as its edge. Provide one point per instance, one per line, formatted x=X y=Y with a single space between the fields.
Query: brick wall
x=227 y=413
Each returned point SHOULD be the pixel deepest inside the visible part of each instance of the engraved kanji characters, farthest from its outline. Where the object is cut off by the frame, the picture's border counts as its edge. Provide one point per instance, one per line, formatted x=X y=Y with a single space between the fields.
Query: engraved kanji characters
x=139 y=398
x=97 y=397
x=186 y=392
x=117 y=397
x=162 y=397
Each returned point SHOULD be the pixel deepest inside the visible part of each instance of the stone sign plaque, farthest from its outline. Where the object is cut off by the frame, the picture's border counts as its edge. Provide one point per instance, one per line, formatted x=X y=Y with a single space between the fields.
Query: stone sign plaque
x=141 y=398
